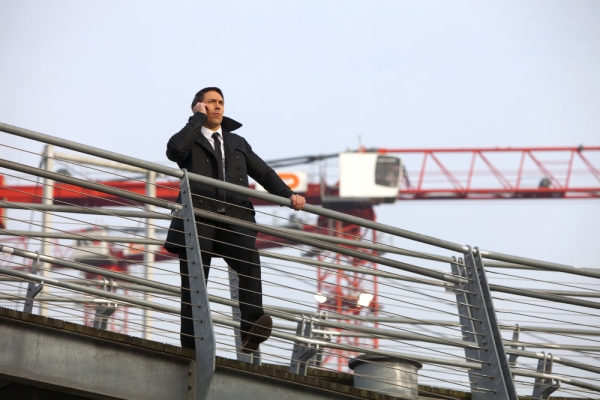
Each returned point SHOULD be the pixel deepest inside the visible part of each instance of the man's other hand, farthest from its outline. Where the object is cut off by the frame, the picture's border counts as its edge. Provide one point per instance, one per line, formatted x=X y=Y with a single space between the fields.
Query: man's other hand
x=298 y=202
x=199 y=107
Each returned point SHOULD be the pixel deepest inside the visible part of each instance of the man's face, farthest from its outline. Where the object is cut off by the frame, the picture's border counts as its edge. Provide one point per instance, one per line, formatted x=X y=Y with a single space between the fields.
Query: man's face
x=215 y=107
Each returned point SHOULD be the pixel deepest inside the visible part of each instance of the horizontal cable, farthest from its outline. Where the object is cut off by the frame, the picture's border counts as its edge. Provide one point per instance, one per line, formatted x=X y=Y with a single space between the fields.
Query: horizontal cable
x=222 y=218
x=224 y=185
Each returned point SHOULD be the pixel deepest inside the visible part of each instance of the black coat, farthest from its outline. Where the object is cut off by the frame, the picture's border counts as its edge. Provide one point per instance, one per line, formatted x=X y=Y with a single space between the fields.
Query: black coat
x=192 y=151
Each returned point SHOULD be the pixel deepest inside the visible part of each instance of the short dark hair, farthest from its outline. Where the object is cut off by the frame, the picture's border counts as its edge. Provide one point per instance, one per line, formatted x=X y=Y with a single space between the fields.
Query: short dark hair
x=200 y=95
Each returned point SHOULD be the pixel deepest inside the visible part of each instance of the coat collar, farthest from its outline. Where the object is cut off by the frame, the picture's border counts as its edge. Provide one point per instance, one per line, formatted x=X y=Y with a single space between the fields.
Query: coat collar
x=228 y=125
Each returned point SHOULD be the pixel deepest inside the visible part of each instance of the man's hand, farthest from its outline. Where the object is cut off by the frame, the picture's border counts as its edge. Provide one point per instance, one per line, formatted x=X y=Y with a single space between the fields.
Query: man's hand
x=298 y=202
x=199 y=107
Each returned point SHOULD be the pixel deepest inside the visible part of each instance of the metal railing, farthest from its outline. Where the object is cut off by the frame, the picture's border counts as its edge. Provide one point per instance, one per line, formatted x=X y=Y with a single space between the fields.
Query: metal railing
x=444 y=311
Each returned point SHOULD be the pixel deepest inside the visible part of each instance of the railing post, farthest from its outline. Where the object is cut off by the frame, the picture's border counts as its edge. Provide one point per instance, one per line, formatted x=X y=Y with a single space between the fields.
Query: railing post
x=543 y=387
x=303 y=352
x=204 y=334
x=149 y=257
x=480 y=325
x=512 y=358
x=234 y=285
x=32 y=288
x=103 y=313
x=47 y=198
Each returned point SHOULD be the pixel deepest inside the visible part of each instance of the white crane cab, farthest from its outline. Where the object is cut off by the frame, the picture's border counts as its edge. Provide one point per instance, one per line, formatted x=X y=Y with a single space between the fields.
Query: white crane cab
x=370 y=176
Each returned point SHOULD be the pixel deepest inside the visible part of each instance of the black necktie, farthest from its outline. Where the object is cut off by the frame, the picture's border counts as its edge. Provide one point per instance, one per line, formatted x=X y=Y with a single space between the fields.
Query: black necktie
x=219 y=155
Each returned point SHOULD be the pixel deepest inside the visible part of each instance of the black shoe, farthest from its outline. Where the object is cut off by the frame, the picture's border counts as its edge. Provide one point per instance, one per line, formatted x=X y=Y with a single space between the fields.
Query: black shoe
x=260 y=331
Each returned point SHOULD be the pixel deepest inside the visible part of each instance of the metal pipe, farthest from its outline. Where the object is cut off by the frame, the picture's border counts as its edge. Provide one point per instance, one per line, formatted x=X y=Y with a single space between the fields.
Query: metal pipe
x=535 y=374
x=87 y=184
x=555 y=296
x=172 y=310
x=341 y=250
x=74 y=236
x=50 y=299
x=97 y=162
x=88 y=268
x=557 y=359
x=47 y=199
x=544 y=265
x=92 y=291
x=369 y=245
x=274 y=312
x=352 y=269
x=219 y=300
x=228 y=186
x=571 y=347
x=232 y=221
x=286 y=202
x=549 y=297
x=149 y=256
x=84 y=210
x=286 y=336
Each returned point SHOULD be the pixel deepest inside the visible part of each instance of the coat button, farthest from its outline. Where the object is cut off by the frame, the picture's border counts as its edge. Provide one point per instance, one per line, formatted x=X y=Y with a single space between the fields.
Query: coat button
x=200 y=201
x=241 y=179
x=207 y=160
x=237 y=157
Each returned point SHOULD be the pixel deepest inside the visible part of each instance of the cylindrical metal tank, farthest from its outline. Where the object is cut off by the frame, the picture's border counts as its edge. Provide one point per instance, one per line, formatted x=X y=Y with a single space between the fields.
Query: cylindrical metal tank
x=391 y=375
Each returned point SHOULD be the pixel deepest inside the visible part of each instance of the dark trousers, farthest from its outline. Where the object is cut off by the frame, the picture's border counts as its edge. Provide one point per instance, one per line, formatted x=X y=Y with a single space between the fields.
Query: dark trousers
x=239 y=252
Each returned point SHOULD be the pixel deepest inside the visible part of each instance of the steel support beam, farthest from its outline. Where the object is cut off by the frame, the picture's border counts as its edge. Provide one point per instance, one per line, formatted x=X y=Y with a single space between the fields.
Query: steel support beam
x=494 y=380
x=204 y=335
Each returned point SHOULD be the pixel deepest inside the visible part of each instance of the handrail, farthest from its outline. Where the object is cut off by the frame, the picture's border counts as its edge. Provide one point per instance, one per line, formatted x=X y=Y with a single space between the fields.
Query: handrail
x=136 y=162
x=222 y=218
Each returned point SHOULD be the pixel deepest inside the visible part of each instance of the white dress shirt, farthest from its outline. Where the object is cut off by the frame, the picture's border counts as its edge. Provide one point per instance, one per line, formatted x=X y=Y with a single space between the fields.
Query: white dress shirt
x=208 y=135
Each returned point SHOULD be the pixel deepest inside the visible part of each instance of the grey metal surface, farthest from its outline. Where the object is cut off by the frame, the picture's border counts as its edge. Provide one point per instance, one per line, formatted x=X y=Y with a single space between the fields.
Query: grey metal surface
x=32 y=288
x=387 y=375
x=544 y=387
x=498 y=379
x=81 y=364
x=204 y=335
x=469 y=329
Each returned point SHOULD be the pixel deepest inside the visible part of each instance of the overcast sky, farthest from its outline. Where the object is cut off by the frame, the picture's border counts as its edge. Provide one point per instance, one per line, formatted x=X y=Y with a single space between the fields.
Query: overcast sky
x=310 y=77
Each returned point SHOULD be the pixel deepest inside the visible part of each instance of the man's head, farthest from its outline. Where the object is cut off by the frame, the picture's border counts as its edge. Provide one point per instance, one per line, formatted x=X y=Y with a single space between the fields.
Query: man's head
x=215 y=106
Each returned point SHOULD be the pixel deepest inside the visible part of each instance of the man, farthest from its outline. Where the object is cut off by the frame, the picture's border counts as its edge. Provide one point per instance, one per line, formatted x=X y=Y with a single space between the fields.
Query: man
x=207 y=146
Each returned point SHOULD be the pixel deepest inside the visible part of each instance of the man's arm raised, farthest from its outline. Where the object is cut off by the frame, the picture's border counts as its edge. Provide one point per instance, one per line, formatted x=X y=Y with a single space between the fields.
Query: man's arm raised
x=181 y=143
